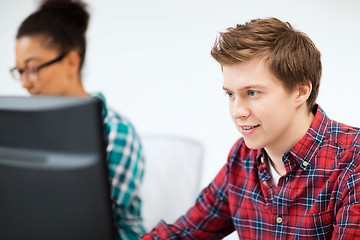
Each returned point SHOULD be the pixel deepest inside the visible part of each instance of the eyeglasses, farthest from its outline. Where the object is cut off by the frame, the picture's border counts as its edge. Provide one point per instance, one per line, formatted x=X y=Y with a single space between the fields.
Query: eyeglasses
x=32 y=73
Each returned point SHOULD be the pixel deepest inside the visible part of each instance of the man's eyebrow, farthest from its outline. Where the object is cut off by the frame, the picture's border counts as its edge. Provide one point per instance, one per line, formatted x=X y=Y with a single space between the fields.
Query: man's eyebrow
x=250 y=86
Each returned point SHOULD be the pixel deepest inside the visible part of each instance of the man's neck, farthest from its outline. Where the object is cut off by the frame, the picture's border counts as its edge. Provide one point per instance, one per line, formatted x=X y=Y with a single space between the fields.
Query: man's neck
x=299 y=129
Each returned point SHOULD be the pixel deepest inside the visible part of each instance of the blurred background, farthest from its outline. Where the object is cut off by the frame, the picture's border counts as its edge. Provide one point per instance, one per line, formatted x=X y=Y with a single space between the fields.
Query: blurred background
x=152 y=61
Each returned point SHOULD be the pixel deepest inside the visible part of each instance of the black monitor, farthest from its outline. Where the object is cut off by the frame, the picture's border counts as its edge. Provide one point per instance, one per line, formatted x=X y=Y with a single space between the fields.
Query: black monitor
x=53 y=174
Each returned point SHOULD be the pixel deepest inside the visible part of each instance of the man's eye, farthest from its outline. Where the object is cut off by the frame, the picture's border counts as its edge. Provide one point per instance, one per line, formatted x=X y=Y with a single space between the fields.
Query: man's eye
x=230 y=94
x=252 y=92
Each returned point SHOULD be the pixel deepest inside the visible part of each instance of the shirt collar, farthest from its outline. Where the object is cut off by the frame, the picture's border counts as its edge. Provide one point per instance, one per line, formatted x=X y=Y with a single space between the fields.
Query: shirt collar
x=305 y=150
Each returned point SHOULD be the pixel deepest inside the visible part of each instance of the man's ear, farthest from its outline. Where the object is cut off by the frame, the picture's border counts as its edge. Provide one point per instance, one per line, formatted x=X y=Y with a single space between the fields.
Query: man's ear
x=72 y=60
x=304 y=91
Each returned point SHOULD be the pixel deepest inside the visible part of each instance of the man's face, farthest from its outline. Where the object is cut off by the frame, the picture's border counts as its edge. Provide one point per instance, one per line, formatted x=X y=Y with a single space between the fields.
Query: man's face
x=261 y=108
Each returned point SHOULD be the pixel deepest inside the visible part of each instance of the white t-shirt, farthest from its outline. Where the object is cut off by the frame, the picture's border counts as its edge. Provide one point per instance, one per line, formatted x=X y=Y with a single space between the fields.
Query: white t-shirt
x=274 y=175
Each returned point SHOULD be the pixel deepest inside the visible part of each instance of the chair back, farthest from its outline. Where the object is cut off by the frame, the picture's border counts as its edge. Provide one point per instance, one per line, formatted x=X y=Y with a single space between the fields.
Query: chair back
x=172 y=177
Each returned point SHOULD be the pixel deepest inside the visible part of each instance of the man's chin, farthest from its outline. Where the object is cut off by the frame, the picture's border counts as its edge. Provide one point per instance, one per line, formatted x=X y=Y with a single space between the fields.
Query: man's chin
x=252 y=145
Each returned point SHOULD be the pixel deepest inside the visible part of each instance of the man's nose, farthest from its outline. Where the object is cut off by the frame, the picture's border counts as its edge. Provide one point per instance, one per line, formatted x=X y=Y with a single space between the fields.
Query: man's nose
x=239 y=109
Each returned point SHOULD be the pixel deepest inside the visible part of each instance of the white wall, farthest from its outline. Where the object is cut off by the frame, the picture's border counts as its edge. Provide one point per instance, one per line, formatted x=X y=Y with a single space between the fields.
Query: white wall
x=152 y=60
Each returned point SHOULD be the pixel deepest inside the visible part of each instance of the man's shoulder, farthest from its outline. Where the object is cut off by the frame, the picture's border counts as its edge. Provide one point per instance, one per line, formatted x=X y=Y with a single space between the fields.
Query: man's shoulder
x=343 y=135
x=342 y=146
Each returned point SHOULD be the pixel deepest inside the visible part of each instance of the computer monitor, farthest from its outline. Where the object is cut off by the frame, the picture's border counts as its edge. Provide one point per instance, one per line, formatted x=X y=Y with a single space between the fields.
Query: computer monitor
x=53 y=177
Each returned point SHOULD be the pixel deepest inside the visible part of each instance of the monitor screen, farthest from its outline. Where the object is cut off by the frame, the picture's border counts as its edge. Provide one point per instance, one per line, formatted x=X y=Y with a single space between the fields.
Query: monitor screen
x=53 y=175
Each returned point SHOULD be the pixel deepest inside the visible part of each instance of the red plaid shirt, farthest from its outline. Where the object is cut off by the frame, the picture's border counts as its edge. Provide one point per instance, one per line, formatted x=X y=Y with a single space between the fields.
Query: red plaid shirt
x=317 y=198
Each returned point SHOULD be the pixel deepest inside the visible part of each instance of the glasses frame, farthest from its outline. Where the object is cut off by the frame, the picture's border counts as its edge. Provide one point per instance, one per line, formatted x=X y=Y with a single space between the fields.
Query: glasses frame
x=16 y=73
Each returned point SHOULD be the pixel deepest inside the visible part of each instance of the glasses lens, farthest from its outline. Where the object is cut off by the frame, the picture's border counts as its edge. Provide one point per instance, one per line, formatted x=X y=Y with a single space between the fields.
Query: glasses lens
x=30 y=75
x=15 y=73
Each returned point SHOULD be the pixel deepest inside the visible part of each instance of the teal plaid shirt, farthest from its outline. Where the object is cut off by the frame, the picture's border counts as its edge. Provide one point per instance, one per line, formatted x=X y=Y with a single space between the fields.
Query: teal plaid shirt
x=126 y=169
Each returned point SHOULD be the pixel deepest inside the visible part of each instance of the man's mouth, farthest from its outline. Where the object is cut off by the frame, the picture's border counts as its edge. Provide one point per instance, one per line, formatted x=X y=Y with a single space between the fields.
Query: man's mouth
x=249 y=127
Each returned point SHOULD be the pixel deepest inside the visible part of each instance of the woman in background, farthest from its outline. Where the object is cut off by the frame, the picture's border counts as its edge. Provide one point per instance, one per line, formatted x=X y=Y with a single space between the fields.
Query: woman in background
x=50 y=52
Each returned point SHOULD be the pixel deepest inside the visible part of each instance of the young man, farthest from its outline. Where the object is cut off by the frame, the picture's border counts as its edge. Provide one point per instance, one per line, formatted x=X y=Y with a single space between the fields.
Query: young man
x=295 y=173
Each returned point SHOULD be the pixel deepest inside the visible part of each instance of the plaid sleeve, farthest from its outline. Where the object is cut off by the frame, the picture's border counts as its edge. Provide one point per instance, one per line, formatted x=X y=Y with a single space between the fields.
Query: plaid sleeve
x=125 y=161
x=348 y=216
x=125 y=168
x=210 y=217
